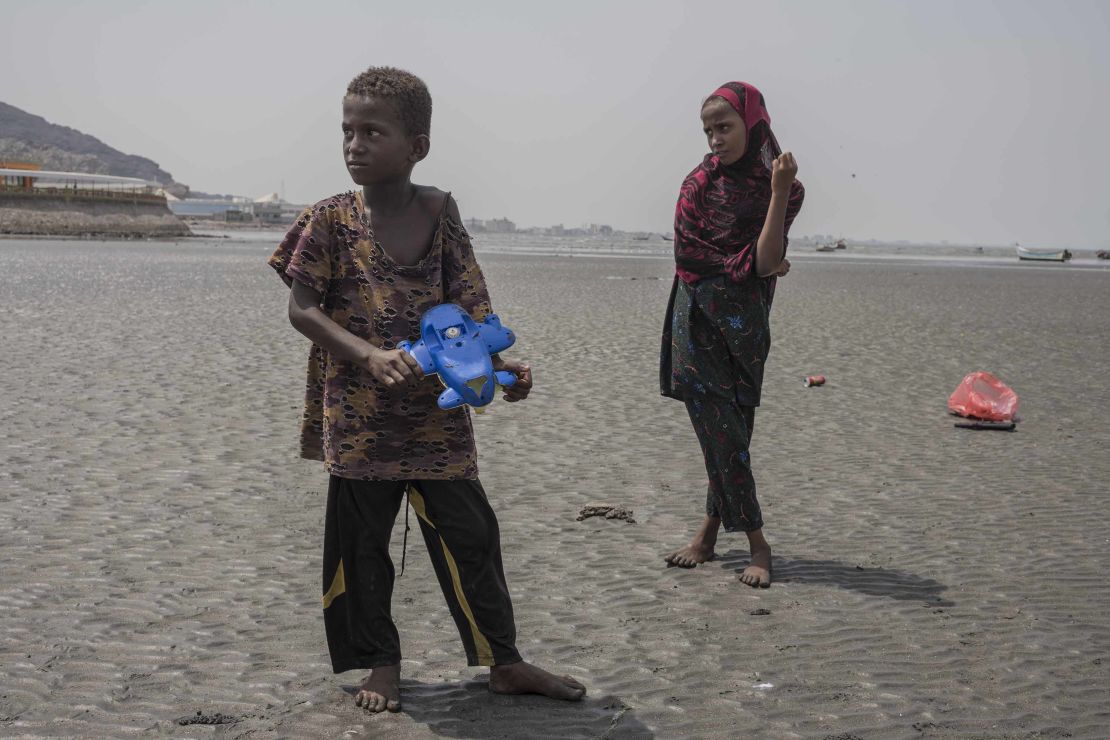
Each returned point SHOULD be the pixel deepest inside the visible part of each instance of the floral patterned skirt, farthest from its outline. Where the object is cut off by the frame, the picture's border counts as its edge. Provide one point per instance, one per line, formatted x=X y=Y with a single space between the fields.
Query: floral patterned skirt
x=715 y=344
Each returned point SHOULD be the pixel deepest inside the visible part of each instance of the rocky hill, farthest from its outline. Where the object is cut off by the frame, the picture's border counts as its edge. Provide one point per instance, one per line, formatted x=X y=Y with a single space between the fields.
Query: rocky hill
x=26 y=137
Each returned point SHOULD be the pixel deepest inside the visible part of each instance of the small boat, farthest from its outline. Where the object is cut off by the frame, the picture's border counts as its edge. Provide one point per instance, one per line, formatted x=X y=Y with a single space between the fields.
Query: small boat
x=1043 y=255
x=826 y=248
x=1103 y=254
x=667 y=237
x=841 y=244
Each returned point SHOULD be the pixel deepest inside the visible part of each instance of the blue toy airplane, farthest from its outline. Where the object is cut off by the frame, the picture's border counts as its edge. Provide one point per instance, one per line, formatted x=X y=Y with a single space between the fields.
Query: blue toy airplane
x=455 y=347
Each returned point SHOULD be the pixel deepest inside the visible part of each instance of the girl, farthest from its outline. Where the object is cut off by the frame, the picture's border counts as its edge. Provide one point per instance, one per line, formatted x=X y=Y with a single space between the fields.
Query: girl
x=734 y=211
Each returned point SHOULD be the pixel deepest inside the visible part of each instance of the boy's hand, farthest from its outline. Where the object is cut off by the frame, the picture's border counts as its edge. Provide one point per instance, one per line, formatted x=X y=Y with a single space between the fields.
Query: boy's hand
x=783 y=268
x=519 y=390
x=393 y=368
x=783 y=171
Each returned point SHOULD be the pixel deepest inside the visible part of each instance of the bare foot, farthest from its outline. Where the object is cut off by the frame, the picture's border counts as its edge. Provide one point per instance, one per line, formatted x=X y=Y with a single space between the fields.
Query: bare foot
x=700 y=549
x=381 y=689
x=525 y=678
x=758 y=572
x=691 y=556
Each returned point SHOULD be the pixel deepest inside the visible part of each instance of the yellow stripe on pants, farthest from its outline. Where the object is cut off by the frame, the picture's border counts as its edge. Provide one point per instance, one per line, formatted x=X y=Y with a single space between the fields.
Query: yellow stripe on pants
x=338 y=586
x=481 y=645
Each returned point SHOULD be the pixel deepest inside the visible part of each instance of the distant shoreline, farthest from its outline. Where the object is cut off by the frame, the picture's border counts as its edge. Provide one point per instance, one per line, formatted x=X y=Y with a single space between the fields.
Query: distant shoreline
x=561 y=249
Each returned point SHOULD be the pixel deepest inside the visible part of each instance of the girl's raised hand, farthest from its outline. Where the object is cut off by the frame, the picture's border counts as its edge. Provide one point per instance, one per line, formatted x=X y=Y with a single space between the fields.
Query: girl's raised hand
x=784 y=169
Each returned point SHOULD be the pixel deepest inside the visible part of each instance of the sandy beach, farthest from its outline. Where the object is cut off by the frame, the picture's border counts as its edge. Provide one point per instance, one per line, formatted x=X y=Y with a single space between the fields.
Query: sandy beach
x=161 y=540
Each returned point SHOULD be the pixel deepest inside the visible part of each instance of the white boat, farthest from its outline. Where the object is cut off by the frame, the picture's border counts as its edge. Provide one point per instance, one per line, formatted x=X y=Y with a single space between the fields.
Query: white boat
x=1043 y=255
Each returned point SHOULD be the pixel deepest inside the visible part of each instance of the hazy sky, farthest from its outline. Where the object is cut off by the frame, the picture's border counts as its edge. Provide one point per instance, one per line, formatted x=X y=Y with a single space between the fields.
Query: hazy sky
x=966 y=121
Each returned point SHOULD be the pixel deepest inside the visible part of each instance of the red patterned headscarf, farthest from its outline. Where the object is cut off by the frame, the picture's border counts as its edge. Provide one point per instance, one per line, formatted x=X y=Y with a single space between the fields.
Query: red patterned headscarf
x=721 y=208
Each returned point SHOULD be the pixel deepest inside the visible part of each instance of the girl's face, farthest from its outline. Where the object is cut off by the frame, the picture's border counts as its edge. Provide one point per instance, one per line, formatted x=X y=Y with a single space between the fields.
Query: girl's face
x=376 y=146
x=724 y=130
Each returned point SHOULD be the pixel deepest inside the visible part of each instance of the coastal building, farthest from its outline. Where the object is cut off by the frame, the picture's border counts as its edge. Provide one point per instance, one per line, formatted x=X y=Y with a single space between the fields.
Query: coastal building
x=268 y=210
x=207 y=208
x=19 y=181
x=489 y=226
x=500 y=226
x=273 y=210
x=25 y=179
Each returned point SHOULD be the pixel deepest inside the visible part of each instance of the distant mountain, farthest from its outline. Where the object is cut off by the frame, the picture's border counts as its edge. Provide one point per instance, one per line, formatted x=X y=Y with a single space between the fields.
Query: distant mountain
x=29 y=138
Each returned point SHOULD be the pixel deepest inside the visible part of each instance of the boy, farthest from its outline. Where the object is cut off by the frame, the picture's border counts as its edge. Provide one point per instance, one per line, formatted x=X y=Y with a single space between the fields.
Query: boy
x=363 y=267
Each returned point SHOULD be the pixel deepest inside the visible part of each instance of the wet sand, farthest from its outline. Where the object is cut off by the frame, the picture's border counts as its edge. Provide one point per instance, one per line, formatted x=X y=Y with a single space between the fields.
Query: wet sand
x=161 y=540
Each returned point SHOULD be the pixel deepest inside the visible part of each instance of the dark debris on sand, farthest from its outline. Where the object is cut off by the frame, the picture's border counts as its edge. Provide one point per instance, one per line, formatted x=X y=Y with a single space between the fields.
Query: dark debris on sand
x=609 y=512
x=200 y=718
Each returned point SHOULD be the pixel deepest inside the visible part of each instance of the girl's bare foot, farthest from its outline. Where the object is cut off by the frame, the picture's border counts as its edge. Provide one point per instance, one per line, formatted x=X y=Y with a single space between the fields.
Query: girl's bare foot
x=525 y=678
x=758 y=572
x=381 y=690
x=700 y=549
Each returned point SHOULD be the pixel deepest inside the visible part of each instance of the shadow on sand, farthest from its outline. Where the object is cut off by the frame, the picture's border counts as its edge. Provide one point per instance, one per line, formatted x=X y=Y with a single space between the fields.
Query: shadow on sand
x=873 y=581
x=467 y=709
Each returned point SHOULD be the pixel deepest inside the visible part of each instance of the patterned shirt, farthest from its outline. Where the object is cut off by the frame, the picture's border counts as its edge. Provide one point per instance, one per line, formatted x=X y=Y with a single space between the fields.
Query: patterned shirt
x=351 y=421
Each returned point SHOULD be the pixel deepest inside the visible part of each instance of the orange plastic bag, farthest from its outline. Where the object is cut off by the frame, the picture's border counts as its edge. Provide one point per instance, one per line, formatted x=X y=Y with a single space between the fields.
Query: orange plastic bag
x=980 y=395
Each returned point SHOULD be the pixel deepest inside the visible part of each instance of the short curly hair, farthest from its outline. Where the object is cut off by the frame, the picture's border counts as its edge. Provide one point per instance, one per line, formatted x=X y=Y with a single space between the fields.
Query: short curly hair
x=406 y=91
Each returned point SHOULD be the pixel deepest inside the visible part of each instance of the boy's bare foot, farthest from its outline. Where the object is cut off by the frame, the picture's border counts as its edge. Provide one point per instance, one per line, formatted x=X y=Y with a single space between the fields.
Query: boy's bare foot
x=700 y=549
x=525 y=678
x=692 y=555
x=758 y=572
x=381 y=690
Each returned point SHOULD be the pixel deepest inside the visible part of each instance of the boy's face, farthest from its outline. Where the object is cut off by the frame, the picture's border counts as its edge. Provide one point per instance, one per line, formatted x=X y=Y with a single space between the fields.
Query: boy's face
x=724 y=130
x=376 y=146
